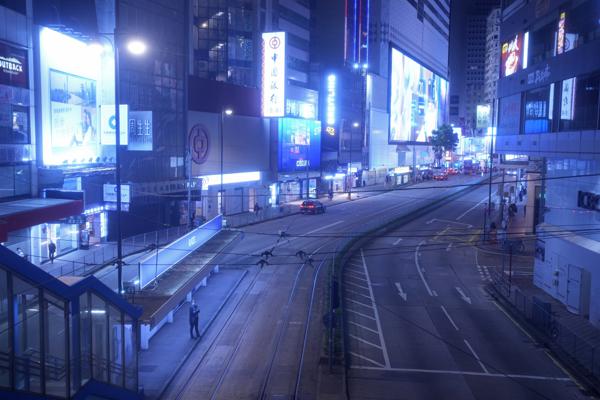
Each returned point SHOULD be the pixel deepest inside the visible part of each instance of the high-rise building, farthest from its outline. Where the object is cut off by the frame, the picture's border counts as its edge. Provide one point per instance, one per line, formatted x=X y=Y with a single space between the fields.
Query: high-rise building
x=492 y=56
x=407 y=69
x=468 y=61
x=225 y=41
x=548 y=129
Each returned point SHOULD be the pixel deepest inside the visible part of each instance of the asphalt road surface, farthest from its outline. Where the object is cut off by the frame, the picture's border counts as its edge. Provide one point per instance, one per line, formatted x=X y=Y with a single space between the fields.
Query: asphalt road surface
x=255 y=347
x=419 y=324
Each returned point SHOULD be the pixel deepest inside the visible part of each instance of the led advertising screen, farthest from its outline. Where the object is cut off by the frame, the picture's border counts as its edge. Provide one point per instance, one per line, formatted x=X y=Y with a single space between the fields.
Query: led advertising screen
x=512 y=55
x=273 y=74
x=418 y=100
x=299 y=145
x=71 y=94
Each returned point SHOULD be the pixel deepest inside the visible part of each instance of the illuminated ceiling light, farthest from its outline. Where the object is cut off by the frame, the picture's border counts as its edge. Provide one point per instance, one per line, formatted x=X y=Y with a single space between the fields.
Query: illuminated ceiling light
x=356 y=65
x=136 y=47
x=228 y=111
x=356 y=124
x=204 y=25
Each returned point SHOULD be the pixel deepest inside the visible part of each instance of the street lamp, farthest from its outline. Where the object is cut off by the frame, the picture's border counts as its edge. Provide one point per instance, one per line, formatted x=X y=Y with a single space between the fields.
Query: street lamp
x=224 y=112
x=355 y=125
x=135 y=47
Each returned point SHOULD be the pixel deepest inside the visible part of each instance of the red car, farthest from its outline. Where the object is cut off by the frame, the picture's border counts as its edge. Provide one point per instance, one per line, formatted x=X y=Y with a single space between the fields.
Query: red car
x=440 y=176
x=312 y=206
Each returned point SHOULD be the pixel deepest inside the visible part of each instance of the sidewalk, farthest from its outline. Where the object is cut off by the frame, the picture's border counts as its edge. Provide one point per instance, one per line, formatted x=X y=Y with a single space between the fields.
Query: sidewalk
x=171 y=345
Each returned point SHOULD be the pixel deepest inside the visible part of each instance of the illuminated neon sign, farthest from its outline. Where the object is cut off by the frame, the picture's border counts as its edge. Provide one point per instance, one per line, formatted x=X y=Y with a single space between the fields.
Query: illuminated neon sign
x=273 y=74
x=330 y=100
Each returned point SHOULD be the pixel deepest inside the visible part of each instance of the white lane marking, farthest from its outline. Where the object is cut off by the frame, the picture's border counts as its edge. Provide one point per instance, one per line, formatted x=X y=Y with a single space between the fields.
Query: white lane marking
x=419 y=268
x=482 y=365
x=448 y=221
x=364 y=327
x=357 y=285
x=471 y=209
x=449 y=317
x=401 y=291
x=434 y=293
x=356 y=293
x=483 y=374
x=367 y=359
x=323 y=227
x=463 y=295
x=449 y=247
x=377 y=321
x=397 y=241
x=359 y=313
x=358 y=302
x=364 y=341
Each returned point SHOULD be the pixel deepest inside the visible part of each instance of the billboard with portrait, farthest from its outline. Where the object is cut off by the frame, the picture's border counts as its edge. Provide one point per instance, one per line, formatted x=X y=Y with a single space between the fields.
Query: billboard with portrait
x=71 y=93
x=418 y=100
x=512 y=59
x=299 y=144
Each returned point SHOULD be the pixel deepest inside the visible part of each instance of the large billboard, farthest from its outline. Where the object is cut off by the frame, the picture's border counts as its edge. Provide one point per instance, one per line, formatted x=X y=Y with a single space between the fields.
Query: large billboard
x=71 y=93
x=418 y=100
x=299 y=145
x=273 y=74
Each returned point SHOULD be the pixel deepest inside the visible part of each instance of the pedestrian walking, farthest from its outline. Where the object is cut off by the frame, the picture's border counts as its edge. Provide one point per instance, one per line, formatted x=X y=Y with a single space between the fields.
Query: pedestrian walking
x=51 y=251
x=194 y=316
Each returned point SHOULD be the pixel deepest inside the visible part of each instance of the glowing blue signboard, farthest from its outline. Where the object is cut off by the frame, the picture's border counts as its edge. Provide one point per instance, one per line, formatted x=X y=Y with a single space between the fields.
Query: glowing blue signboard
x=330 y=113
x=299 y=144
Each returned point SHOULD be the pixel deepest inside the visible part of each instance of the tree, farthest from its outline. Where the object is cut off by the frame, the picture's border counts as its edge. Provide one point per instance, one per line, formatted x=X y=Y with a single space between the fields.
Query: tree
x=443 y=139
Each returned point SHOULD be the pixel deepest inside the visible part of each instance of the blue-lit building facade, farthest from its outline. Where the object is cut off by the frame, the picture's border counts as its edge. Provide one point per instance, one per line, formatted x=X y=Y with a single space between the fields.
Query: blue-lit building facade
x=548 y=114
x=56 y=136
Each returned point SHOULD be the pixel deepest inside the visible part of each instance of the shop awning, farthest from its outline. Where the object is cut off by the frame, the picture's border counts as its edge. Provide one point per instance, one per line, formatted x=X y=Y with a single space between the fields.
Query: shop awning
x=25 y=213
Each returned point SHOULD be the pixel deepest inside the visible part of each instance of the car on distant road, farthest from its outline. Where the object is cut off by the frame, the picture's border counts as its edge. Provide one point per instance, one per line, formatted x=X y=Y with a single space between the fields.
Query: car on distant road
x=440 y=175
x=312 y=207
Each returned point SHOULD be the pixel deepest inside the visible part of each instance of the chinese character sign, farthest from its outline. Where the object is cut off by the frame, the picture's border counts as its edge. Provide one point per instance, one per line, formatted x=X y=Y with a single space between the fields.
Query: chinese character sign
x=273 y=74
x=140 y=131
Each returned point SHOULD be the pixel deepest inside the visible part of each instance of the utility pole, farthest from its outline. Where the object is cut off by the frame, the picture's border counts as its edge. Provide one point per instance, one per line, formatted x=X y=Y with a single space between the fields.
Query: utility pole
x=118 y=153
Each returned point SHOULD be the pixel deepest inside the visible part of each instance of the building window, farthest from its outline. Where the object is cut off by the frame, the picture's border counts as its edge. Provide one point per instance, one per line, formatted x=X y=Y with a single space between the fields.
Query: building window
x=55 y=360
x=578 y=26
x=26 y=333
x=579 y=103
x=537 y=112
x=14 y=124
x=5 y=349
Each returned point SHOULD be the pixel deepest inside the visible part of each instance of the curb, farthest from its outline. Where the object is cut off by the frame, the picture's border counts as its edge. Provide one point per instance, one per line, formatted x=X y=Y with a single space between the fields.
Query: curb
x=326 y=205
x=202 y=332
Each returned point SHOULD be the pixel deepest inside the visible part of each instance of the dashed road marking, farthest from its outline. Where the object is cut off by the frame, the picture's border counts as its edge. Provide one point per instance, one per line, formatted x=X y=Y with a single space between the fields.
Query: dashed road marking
x=359 y=313
x=367 y=359
x=482 y=365
x=449 y=317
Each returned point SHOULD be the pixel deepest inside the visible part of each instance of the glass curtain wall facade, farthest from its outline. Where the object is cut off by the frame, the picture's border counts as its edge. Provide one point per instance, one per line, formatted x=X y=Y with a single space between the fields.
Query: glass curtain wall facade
x=52 y=346
x=223 y=41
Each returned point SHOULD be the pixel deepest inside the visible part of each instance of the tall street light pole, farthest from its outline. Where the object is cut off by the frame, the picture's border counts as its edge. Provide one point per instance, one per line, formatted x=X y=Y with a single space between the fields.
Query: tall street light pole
x=228 y=112
x=135 y=47
x=355 y=125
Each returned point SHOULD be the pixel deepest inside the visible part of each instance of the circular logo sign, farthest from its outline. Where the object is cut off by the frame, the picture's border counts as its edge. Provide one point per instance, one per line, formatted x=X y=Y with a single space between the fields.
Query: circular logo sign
x=275 y=42
x=199 y=143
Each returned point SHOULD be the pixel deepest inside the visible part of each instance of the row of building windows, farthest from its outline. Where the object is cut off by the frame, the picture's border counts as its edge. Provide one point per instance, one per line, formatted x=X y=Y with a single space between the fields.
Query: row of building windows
x=567 y=31
x=572 y=104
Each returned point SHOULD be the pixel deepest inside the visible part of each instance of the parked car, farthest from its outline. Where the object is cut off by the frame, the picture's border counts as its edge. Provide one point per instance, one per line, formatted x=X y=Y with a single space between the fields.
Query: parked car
x=452 y=171
x=312 y=206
